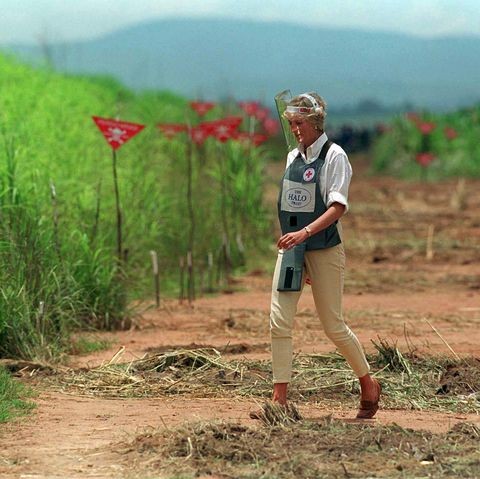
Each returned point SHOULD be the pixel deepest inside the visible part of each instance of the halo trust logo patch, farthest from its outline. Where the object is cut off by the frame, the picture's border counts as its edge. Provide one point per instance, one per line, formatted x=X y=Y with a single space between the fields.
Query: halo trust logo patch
x=298 y=197
x=308 y=174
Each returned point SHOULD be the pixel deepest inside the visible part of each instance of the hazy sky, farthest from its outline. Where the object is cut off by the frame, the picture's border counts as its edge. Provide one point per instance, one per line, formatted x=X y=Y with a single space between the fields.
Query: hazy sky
x=57 y=20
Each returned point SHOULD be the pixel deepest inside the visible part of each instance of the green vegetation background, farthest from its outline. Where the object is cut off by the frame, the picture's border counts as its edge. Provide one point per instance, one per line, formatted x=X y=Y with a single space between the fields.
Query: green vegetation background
x=57 y=252
x=454 y=143
x=58 y=270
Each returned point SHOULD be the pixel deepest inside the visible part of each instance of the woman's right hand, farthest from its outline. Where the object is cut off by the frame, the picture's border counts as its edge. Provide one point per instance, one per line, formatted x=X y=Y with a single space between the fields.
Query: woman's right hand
x=289 y=240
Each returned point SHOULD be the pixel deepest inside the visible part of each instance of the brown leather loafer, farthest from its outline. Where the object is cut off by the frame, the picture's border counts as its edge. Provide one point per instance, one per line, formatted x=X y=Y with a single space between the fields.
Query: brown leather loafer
x=368 y=409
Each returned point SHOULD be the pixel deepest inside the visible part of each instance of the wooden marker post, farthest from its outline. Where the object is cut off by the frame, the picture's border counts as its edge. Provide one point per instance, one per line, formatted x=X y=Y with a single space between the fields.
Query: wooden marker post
x=429 y=253
x=156 y=277
x=117 y=207
x=117 y=133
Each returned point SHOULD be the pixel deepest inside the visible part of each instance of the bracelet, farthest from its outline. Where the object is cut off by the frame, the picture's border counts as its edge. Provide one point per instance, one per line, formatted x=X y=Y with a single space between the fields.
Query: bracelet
x=308 y=230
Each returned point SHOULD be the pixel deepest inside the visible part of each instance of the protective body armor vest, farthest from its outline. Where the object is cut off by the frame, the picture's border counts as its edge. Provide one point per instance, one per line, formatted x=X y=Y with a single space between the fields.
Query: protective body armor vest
x=300 y=201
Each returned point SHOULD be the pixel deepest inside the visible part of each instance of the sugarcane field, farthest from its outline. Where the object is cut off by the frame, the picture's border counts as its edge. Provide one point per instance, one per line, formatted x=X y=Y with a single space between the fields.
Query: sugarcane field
x=237 y=280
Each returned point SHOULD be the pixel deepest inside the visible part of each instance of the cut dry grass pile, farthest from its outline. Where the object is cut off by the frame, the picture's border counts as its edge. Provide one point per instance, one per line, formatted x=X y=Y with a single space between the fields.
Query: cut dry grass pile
x=200 y=372
x=327 y=449
x=272 y=414
x=408 y=381
x=230 y=349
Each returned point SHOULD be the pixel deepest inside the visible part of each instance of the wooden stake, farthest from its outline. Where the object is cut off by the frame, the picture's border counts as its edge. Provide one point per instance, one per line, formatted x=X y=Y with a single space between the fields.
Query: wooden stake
x=156 y=277
x=241 y=248
x=459 y=197
x=39 y=319
x=118 y=209
x=429 y=252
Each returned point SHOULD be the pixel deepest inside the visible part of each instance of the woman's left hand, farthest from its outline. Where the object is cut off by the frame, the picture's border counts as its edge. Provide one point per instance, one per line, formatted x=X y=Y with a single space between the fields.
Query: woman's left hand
x=289 y=240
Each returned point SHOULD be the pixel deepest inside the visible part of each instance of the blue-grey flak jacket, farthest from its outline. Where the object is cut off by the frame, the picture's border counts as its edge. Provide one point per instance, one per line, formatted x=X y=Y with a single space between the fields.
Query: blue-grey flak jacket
x=300 y=202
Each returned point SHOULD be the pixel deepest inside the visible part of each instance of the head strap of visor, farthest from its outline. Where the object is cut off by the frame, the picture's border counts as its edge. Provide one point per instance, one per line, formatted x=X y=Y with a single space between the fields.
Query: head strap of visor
x=299 y=109
x=316 y=108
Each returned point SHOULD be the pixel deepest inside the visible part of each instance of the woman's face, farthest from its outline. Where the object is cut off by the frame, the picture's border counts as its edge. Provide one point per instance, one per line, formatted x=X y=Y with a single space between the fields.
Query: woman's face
x=305 y=133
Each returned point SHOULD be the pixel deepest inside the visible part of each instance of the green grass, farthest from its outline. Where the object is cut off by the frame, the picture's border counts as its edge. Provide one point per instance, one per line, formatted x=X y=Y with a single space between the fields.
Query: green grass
x=89 y=344
x=58 y=266
x=12 y=397
x=395 y=150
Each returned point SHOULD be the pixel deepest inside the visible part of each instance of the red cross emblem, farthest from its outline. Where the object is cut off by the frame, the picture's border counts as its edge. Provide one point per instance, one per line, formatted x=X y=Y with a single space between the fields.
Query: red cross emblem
x=308 y=174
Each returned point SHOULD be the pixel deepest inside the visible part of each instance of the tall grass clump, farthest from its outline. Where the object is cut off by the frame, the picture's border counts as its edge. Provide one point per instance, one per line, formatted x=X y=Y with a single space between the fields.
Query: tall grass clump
x=430 y=145
x=48 y=284
x=58 y=264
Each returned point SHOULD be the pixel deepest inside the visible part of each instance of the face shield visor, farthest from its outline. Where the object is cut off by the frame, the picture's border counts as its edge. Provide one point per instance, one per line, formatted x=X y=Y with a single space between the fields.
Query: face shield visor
x=286 y=111
x=281 y=101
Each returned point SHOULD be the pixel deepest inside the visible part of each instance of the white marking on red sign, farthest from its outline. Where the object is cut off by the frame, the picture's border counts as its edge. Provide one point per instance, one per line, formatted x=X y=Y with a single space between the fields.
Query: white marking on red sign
x=199 y=135
x=117 y=133
x=308 y=174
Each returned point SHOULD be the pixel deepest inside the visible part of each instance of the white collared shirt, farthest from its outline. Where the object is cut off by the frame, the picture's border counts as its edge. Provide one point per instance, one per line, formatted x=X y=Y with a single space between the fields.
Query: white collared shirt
x=335 y=174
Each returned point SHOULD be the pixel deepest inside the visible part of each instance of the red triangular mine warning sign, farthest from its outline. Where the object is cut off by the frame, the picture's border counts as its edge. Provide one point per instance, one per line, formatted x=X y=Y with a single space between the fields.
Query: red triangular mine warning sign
x=117 y=133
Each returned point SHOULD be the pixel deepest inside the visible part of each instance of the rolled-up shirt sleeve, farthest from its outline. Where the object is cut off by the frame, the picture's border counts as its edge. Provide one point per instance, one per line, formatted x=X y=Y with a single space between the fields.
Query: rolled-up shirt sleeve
x=337 y=180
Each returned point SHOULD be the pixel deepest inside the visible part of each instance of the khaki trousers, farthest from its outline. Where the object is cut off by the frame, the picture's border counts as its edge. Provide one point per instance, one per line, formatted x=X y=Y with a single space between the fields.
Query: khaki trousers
x=325 y=267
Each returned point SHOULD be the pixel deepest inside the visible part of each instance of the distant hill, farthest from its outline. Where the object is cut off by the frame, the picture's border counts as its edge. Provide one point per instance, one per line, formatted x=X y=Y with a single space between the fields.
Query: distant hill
x=245 y=59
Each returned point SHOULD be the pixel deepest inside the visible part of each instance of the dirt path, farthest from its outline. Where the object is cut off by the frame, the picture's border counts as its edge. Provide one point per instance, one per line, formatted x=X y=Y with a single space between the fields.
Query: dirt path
x=62 y=437
x=68 y=435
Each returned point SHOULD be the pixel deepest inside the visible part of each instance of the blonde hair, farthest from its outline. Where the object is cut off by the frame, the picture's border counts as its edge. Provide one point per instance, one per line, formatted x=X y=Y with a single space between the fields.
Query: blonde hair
x=316 y=110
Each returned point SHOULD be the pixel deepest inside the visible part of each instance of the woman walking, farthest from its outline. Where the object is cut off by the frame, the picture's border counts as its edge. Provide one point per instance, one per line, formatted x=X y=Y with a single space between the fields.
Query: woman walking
x=313 y=197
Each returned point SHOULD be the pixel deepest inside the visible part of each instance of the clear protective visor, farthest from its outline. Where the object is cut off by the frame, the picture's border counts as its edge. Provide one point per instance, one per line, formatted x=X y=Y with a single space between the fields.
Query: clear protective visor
x=281 y=101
